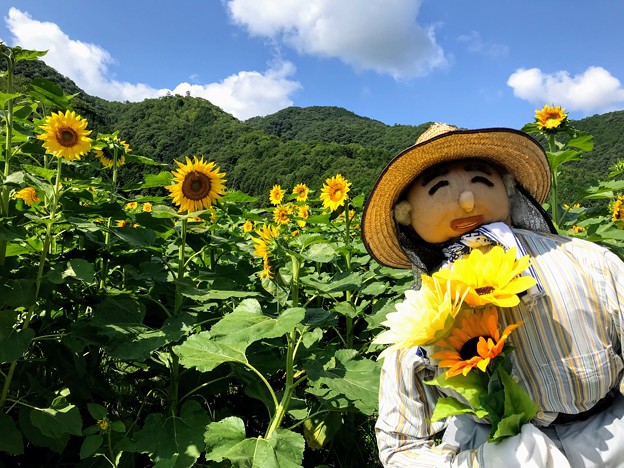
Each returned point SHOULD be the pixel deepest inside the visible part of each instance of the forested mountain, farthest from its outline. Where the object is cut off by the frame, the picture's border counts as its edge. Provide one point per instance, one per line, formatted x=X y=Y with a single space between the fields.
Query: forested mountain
x=291 y=146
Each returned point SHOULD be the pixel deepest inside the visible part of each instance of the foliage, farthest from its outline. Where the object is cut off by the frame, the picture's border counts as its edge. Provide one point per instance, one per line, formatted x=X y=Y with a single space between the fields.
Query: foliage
x=134 y=335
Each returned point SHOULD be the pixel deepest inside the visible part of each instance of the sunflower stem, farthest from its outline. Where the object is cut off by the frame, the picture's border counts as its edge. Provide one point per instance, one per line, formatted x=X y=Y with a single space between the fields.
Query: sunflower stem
x=554 y=196
x=42 y=261
x=180 y=277
x=8 y=143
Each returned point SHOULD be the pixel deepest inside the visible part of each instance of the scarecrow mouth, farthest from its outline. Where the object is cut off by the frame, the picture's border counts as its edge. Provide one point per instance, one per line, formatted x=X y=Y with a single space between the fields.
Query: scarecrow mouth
x=466 y=224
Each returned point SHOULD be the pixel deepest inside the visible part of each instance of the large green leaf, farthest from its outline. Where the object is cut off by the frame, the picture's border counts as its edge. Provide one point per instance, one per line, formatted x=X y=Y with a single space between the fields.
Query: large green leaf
x=246 y=325
x=17 y=293
x=15 y=343
x=80 y=269
x=59 y=420
x=356 y=379
x=321 y=253
x=225 y=440
x=204 y=353
x=174 y=441
x=11 y=440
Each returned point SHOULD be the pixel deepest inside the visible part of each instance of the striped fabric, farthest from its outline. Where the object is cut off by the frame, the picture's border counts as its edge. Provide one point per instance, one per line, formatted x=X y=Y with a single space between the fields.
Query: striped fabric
x=568 y=352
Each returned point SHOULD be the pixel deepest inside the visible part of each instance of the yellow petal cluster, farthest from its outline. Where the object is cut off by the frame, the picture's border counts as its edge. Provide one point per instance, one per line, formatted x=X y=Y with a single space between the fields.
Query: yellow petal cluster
x=198 y=184
x=65 y=135
x=550 y=118
x=334 y=192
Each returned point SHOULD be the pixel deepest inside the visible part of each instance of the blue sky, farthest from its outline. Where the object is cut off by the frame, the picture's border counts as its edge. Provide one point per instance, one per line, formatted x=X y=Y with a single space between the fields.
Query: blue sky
x=477 y=63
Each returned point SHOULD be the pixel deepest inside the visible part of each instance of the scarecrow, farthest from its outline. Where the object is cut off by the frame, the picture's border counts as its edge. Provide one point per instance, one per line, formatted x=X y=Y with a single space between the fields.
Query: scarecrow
x=455 y=191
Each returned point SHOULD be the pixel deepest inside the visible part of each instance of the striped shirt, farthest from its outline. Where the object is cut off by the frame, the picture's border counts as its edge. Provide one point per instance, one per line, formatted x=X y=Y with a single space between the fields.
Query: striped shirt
x=568 y=352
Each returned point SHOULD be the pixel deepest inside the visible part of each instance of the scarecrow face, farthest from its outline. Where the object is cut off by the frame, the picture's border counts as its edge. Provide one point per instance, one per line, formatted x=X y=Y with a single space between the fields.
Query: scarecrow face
x=450 y=199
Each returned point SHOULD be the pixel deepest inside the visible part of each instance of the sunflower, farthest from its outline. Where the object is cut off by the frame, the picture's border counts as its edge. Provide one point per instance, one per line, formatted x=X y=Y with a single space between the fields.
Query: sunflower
x=424 y=317
x=281 y=214
x=276 y=195
x=334 y=192
x=550 y=118
x=147 y=207
x=302 y=191
x=197 y=185
x=473 y=344
x=248 y=226
x=304 y=213
x=123 y=223
x=267 y=233
x=131 y=205
x=617 y=209
x=266 y=270
x=28 y=194
x=106 y=154
x=65 y=135
x=492 y=278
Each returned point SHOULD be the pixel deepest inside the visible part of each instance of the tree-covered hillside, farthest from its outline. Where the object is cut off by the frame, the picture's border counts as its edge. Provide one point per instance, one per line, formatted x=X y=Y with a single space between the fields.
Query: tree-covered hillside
x=293 y=145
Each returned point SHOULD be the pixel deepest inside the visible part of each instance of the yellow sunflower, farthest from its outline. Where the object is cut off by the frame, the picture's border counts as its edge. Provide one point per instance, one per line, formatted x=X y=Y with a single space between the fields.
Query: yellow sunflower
x=267 y=233
x=550 y=118
x=123 y=223
x=248 y=226
x=106 y=154
x=302 y=191
x=424 y=317
x=617 y=209
x=28 y=194
x=197 y=185
x=473 y=344
x=65 y=135
x=334 y=192
x=492 y=278
x=147 y=207
x=276 y=195
x=304 y=213
x=131 y=205
x=281 y=214
x=266 y=270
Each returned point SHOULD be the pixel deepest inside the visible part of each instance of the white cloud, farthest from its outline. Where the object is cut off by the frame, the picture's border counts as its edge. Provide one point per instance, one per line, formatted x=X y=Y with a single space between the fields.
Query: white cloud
x=594 y=90
x=475 y=44
x=245 y=94
x=379 y=35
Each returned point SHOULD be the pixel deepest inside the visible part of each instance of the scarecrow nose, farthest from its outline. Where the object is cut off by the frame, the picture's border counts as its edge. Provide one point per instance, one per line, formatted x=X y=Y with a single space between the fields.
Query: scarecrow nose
x=466 y=201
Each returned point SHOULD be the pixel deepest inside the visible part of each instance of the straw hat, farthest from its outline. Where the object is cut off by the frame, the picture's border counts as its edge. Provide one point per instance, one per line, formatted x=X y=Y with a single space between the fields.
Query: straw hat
x=514 y=151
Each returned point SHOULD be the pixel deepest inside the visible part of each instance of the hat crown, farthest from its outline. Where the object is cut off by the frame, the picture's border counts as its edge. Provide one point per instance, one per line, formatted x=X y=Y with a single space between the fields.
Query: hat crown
x=434 y=130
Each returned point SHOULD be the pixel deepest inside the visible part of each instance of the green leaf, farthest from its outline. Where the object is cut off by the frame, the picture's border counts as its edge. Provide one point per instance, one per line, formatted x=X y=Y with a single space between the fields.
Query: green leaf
x=27 y=54
x=11 y=440
x=80 y=269
x=238 y=197
x=152 y=180
x=450 y=406
x=356 y=379
x=143 y=160
x=321 y=429
x=17 y=293
x=204 y=353
x=470 y=386
x=90 y=445
x=96 y=411
x=583 y=142
x=344 y=282
x=136 y=237
x=48 y=92
x=15 y=344
x=225 y=440
x=174 y=441
x=59 y=420
x=245 y=326
x=321 y=253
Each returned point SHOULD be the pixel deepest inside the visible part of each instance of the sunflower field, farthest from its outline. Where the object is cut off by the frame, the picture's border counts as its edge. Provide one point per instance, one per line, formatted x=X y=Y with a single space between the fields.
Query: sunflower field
x=173 y=322
x=178 y=322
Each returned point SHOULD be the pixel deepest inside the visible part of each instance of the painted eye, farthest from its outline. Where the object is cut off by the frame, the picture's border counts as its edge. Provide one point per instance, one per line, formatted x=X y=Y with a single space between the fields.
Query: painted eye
x=482 y=180
x=438 y=185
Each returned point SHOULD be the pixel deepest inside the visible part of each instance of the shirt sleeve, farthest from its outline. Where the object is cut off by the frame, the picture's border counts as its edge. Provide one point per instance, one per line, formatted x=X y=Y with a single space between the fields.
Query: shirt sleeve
x=404 y=437
x=615 y=297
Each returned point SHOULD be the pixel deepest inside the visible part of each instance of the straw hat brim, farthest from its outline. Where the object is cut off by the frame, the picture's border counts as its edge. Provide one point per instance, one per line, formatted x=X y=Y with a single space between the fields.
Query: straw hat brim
x=514 y=151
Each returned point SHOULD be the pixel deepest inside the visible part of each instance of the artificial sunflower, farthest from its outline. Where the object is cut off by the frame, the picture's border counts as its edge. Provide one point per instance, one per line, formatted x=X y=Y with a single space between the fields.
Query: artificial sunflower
x=302 y=191
x=550 y=118
x=492 y=277
x=197 y=185
x=473 y=344
x=281 y=214
x=28 y=194
x=65 y=135
x=424 y=317
x=276 y=195
x=334 y=192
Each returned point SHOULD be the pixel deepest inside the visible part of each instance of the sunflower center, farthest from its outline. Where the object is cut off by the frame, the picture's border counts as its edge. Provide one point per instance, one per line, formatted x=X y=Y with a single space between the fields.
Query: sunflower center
x=484 y=290
x=66 y=136
x=469 y=349
x=196 y=185
x=337 y=195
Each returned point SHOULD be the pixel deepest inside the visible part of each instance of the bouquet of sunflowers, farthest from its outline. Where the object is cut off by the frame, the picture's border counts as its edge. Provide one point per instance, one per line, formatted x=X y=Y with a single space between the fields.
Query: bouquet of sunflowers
x=455 y=317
